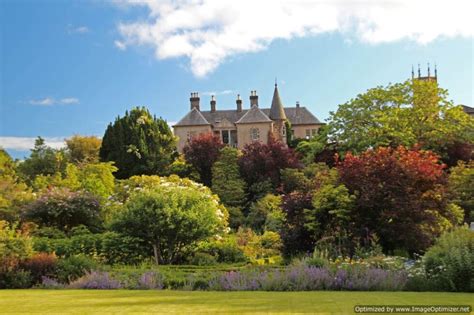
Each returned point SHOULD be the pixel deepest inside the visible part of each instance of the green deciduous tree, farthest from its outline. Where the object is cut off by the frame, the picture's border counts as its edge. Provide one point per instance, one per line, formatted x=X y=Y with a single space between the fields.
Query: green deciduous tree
x=43 y=160
x=409 y=113
x=13 y=192
x=171 y=216
x=138 y=143
x=461 y=188
x=83 y=149
x=263 y=211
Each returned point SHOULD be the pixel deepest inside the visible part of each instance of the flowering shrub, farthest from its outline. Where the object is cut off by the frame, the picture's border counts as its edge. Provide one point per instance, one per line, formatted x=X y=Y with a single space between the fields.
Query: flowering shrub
x=50 y=283
x=151 y=280
x=304 y=278
x=96 y=280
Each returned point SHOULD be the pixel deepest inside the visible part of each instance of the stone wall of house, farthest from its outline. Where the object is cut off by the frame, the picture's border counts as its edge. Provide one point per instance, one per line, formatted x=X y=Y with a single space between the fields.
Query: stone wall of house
x=244 y=133
x=184 y=132
x=300 y=131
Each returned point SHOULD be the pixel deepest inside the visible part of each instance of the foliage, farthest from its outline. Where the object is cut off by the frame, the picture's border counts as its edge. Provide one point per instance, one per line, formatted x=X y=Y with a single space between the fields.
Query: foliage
x=318 y=149
x=170 y=217
x=400 y=196
x=13 y=192
x=294 y=179
x=260 y=161
x=15 y=245
x=98 y=280
x=451 y=260
x=263 y=210
x=43 y=160
x=223 y=250
x=226 y=180
x=461 y=188
x=330 y=216
x=73 y=267
x=260 y=249
x=202 y=152
x=96 y=178
x=409 y=113
x=64 y=209
x=296 y=238
x=304 y=278
x=39 y=265
x=83 y=149
x=138 y=143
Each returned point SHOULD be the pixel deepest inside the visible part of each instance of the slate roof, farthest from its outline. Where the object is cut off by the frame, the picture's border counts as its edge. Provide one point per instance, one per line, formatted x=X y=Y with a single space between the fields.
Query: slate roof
x=276 y=111
x=296 y=115
x=468 y=110
x=193 y=118
x=253 y=115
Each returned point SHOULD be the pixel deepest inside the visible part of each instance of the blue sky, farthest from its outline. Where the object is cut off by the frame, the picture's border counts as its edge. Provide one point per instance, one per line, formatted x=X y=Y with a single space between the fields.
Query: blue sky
x=71 y=67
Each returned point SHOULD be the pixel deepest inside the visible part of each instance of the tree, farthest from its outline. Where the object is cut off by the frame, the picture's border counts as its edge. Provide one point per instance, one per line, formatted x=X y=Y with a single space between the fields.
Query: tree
x=171 y=217
x=202 y=152
x=138 y=143
x=228 y=185
x=296 y=238
x=329 y=219
x=400 y=196
x=64 y=209
x=261 y=162
x=83 y=149
x=409 y=113
x=43 y=160
x=265 y=208
x=13 y=192
x=461 y=188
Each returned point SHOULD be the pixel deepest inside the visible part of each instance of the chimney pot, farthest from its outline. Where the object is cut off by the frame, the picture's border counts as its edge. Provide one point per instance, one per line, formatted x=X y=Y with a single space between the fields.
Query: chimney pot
x=239 y=103
x=194 y=100
x=253 y=98
x=213 y=103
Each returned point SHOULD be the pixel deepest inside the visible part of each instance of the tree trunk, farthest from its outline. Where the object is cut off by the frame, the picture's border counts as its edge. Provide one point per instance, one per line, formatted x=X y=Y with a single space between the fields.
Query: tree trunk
x=155 y=251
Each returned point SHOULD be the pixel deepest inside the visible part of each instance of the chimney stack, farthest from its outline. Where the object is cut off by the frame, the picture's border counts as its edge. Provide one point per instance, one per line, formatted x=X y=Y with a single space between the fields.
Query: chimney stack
x=253 y=98
x=213 y=103
x=239 y=103
x=194 y=100
x=297 y=104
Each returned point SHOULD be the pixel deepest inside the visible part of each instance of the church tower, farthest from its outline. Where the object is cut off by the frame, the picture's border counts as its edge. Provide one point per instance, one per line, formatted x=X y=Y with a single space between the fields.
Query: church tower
x=278 y=116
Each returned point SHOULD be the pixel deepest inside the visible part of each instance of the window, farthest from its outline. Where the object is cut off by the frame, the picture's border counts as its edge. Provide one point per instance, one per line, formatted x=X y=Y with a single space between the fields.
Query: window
x=191 y=134
x=308 y=133
x=283 y=130
x=225 y=136
x=254 y=134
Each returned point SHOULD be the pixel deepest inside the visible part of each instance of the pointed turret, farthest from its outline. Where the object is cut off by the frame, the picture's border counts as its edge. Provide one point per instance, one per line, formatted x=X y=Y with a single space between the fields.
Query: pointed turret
x=277 y=112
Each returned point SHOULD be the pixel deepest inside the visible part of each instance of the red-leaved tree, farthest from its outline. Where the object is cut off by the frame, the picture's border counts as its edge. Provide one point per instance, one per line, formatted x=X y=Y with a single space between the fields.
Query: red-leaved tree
x=260 y=162
x=400 y=196
x=201 y=152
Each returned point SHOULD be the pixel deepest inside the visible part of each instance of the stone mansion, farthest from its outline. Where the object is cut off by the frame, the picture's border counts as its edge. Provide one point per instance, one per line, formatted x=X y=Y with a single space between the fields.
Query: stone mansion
x=239 y=126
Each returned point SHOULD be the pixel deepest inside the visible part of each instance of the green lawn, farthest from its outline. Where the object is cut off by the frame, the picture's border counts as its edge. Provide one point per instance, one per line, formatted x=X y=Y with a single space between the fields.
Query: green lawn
x=125 y=301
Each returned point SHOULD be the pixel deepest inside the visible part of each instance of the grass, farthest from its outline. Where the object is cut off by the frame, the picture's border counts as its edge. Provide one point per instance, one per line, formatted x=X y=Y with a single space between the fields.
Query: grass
x=198 y=302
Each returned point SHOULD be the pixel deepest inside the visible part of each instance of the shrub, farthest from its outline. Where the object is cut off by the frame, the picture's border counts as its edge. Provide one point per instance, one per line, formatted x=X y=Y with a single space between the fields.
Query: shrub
x=96 y=280
x=40 y=265
x=203 y=259
x=50 y=283
x=172 y=216
x=305 y=278
x=74 y=267
x=450 y=262
x=15 y=279
x=64 y=209
x=151 y=280
x=225 y=250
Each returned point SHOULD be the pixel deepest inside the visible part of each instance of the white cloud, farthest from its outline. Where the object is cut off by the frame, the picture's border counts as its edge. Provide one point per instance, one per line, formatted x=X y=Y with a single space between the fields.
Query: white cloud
x=208 y=32
x=78 y=29
x=27 y=143
x=48 y=101
x=120 y=45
